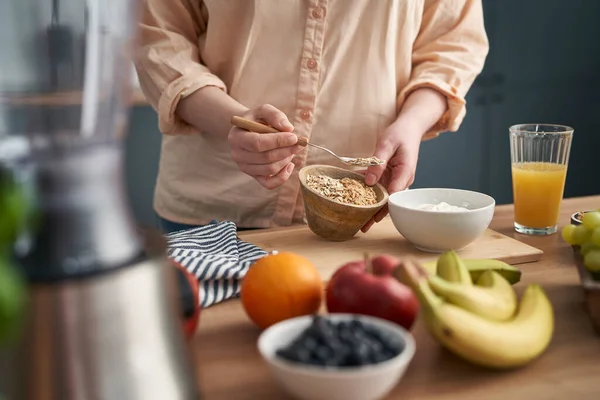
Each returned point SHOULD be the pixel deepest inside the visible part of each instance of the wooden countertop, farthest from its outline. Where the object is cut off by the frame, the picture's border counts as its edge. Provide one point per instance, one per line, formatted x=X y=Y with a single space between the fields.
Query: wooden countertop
x=230 y=368
x=66 y=99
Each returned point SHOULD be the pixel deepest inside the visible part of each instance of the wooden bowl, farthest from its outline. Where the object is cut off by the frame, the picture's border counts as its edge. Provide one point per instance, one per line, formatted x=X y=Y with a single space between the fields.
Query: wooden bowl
x=333 y=220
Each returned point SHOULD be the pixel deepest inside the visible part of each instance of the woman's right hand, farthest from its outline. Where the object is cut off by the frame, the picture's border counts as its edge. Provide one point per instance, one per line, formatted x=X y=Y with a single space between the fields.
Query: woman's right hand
x=267 y=157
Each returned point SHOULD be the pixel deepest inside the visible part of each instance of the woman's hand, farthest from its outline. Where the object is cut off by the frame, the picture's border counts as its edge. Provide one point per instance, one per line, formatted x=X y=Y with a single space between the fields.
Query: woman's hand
x=267 y=157
x=399 y=144
x=399 y=147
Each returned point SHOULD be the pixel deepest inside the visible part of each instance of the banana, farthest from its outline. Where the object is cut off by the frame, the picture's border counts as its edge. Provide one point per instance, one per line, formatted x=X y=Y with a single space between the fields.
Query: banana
x=451 y=268
x=477 y=266
x=492 y=297
x=430 y=266
x=492 y=344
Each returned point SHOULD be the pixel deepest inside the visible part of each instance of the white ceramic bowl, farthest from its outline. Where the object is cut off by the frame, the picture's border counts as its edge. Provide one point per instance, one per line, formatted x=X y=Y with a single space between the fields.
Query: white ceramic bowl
x=310 y=382
x=440 y=231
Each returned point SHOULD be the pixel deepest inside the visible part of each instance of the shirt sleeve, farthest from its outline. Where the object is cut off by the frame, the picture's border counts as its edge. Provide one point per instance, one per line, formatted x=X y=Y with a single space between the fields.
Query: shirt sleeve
x=448 y=54
x=167 y=60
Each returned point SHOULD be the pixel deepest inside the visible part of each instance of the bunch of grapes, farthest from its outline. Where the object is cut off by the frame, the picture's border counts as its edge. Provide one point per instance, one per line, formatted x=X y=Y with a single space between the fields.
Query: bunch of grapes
x=587 y=237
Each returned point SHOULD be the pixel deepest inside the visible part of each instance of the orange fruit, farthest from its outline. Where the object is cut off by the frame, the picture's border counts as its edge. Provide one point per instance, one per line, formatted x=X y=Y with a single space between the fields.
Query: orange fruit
x=281 y=286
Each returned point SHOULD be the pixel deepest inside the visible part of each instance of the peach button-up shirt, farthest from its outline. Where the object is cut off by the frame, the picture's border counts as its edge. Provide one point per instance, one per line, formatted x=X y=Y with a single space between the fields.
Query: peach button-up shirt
x=339 y=69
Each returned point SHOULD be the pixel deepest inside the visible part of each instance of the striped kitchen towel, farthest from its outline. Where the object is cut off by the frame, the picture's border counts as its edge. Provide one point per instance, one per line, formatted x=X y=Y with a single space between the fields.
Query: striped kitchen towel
x=215 y=255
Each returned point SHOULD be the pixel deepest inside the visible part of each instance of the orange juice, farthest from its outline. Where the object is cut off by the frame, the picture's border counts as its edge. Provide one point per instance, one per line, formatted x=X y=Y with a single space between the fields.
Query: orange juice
x=538 y=191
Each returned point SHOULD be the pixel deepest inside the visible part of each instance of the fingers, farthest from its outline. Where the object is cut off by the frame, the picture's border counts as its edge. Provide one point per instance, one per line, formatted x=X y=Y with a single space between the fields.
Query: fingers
x=274 y=181
x=265 y=156
x=378 y=217
x=271 y=116
x=381 y=214
x=267 y=169
x=260 y=142
x=250 y=157
x=255 y=142
x=384 y=151
x=400 y=179
x=368 y=225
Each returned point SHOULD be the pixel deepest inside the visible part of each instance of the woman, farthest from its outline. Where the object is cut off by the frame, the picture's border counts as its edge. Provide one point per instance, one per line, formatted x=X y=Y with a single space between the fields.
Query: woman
x=360 y=77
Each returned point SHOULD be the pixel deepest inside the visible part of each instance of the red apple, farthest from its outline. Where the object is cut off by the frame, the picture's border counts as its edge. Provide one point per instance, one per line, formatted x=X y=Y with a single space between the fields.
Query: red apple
x=384 y=264
x=189 y=291
x=355 y=288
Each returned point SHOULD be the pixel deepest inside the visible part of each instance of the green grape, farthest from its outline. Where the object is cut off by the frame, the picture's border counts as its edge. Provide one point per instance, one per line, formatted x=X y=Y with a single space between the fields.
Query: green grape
x=580 y=235
x=587 y=247
x=592 y=260
x=595 y=237
x=567 y=233
x=591 y=220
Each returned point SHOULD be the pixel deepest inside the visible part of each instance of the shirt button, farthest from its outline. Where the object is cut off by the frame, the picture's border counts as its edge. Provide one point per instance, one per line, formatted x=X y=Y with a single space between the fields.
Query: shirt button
x=317 y=13
x=304 y=114
x=311 y=63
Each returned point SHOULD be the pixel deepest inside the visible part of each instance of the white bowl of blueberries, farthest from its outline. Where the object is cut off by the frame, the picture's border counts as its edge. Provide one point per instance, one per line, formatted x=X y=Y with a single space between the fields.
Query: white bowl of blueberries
x=337 y=356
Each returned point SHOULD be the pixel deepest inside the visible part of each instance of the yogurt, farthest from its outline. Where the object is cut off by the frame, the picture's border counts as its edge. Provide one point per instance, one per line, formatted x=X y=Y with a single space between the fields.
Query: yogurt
x=442 y=206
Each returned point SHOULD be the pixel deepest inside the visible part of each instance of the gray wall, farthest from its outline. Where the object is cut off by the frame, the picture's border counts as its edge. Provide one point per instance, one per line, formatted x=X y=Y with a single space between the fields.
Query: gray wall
x=141 y=162
x=544 y=66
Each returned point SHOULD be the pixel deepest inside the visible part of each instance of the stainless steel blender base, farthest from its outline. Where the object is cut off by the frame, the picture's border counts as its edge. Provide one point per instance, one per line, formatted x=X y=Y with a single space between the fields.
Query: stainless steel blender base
x=106 y=337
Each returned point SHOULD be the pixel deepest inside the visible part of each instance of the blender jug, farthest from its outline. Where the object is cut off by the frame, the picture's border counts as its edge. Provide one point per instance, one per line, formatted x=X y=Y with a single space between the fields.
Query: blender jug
x=101 y=320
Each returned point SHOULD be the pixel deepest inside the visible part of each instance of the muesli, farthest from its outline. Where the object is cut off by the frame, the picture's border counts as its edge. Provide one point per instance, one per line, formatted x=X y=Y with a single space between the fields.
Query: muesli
x=344 y=190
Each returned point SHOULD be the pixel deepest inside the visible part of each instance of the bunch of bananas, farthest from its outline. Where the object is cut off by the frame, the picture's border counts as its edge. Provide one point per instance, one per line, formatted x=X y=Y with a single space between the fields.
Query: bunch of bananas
x=13 y=214
x=471 y=308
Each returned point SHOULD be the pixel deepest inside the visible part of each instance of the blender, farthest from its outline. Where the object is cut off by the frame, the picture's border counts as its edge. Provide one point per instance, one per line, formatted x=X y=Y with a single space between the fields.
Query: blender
x=102 y=317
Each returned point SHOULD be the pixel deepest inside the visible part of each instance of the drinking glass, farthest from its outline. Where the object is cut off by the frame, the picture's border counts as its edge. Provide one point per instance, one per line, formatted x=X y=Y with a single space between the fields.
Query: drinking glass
x=539 y=160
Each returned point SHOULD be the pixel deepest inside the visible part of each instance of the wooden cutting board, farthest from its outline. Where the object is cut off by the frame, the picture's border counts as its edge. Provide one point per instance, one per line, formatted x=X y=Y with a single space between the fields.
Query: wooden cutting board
x=383 y=238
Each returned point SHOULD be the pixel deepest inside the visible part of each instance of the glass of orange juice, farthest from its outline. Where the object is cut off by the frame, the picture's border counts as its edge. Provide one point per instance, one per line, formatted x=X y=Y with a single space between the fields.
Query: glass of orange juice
x=539 y=159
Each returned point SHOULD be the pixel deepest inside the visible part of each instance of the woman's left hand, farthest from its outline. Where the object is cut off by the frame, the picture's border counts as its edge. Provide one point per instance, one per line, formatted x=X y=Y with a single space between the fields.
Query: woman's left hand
x=399 y=146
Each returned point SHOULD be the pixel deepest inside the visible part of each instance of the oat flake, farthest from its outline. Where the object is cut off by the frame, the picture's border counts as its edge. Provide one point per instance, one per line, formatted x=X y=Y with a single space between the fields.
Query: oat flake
x=345 y=190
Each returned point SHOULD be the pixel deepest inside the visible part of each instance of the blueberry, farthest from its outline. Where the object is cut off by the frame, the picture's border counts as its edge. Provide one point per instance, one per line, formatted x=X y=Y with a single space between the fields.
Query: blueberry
x=356 y=359
x=389 y=341
x=322 y=324
x=315 y=361
x=343 y=326
x=362 y=349
x=392 y=343
x=358 y=335
x=312 y=331
x=303 y=355
x=357 y=325
x=341 y=344
x=326 y=328
x=374 y=345
x=332 y=362
x=323 y=353
x=381 y=357
x=351 y=360
x=310 y=343
x=345 y=335
x=374 y=331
